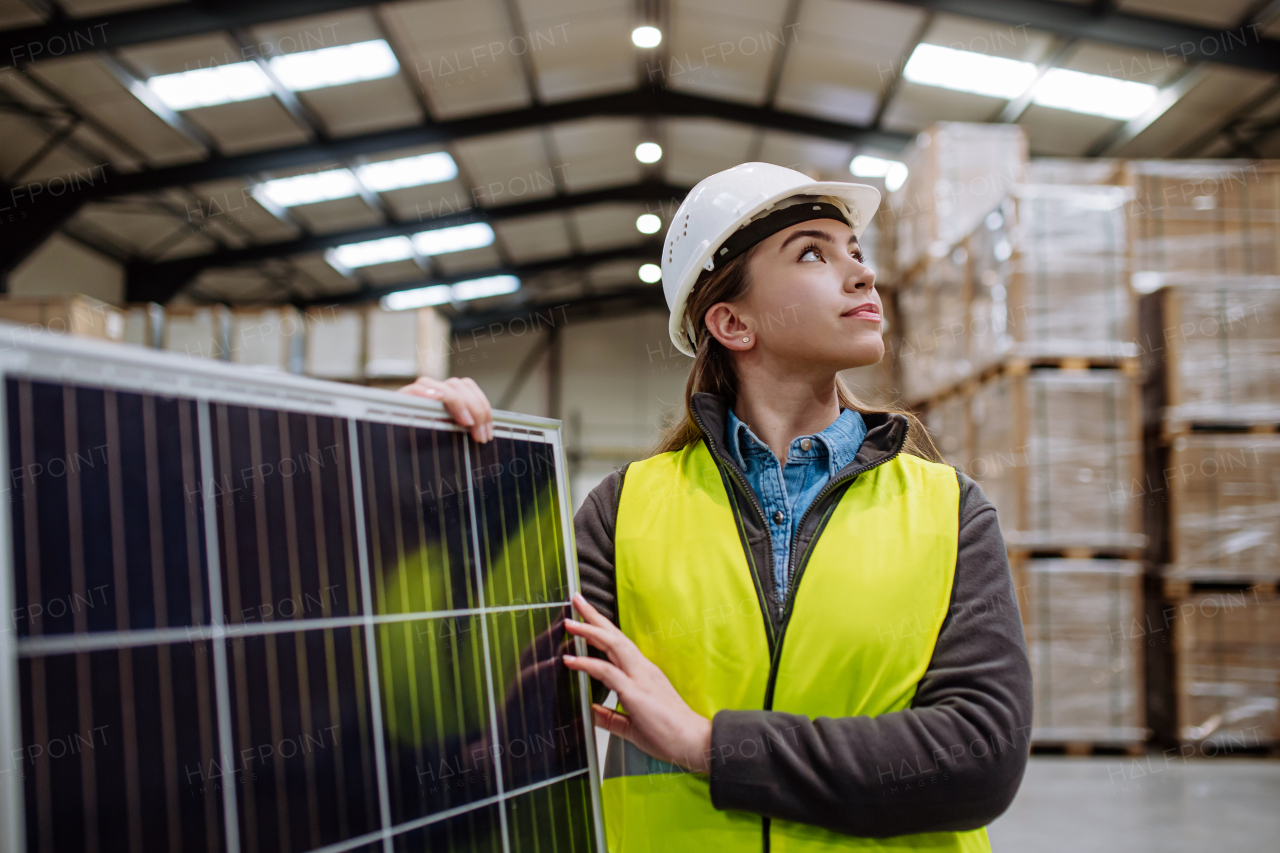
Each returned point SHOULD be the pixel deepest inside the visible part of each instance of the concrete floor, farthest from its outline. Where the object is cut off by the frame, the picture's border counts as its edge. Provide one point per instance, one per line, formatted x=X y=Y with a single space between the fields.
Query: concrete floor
x=1074 y=805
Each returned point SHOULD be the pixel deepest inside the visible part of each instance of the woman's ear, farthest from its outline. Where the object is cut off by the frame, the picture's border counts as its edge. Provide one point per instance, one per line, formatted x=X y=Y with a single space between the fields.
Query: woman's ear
x=729 y=327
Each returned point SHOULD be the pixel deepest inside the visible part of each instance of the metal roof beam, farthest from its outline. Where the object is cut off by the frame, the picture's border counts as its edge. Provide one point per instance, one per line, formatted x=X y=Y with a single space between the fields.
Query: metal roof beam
x=159 y=281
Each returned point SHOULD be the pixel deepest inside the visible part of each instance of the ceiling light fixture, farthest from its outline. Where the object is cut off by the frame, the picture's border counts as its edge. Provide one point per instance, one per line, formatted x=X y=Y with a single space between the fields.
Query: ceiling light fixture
x=440 y=241
x=866 y=166
x=335 y=66
x=1093 y=94
x=648 y=152
x=1057 y=88
x=210 y=87
x=646 y=37
x=650 y=273
x=438 y=294
x=408 y=171
x=648 y=223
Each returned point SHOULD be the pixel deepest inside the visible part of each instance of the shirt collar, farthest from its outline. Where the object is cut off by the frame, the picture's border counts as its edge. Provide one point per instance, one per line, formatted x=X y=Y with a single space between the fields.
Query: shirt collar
x=842 y=439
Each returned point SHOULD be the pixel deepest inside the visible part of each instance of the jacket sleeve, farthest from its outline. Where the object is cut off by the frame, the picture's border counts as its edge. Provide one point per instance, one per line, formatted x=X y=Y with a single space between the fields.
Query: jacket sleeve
x=593 y=534
x=952 y=761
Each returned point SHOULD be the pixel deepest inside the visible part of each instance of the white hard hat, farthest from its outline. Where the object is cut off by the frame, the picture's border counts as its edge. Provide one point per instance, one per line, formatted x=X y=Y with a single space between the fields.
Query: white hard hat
x=725 y=202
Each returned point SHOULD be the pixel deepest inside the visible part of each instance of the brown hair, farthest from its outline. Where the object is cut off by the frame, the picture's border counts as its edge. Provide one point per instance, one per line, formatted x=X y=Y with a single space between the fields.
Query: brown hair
x=713 y=372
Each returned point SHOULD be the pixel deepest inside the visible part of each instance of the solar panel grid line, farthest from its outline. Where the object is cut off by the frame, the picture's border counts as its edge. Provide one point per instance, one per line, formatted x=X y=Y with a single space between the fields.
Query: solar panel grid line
x=31 y=647
x=366 y=595
x=188 y=444
x=484 y=639
x=222 y=691
x=12 y=818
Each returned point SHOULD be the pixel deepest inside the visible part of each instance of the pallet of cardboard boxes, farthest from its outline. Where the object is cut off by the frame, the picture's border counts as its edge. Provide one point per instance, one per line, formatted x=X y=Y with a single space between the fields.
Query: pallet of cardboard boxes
x=1018 y=328
x=1206 y=253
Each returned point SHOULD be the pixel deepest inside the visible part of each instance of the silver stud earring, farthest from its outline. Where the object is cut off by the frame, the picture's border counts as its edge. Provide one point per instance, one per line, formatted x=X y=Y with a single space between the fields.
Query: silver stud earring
x=746 y=340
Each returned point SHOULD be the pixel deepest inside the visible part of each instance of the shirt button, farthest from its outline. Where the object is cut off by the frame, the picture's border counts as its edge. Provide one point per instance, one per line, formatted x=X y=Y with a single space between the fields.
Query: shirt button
x=806 y=444
x=778 y=517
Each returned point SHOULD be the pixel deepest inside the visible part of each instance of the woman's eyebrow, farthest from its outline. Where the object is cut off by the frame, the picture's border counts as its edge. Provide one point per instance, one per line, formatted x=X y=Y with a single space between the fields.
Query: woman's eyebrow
x=817 y=235
x=808 y=232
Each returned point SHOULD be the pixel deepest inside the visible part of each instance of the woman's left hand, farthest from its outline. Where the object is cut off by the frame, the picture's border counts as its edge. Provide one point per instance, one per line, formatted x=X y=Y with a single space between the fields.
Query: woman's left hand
x=657 y=720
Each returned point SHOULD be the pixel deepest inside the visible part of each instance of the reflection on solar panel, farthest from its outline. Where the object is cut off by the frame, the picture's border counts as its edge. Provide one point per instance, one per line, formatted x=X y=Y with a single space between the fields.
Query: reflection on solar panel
x=273 y=614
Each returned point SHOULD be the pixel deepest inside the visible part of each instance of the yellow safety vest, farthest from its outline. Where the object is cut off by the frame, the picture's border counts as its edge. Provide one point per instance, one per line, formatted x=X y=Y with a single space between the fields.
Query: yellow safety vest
x=868 y=602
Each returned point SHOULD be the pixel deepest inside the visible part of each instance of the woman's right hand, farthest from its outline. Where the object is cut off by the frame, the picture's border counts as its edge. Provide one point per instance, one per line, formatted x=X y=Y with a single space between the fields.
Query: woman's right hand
x=462 y=398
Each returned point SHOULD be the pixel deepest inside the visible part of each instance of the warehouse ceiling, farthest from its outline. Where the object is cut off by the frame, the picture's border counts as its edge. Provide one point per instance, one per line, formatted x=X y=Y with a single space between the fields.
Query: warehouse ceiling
x=521 y=119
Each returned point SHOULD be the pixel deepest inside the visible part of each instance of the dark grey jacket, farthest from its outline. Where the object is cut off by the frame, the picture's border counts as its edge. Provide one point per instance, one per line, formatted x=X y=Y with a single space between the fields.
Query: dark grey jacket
x=952 y=761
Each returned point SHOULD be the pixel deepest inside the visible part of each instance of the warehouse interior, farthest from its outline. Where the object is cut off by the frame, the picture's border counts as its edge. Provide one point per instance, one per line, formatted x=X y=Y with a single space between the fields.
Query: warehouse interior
x=1078 y=250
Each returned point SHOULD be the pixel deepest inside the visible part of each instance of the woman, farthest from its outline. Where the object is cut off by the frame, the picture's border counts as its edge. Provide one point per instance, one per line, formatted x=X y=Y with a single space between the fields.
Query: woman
x=811 y=628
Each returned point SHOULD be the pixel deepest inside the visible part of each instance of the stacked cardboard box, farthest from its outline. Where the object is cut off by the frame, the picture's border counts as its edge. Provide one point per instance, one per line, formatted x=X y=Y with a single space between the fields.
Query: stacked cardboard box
x=1086 y=661
x=1018 y=324
x=368 y=344
x=1206 y=252
x=1228 y=670
x=64 y=315
x=958 y=173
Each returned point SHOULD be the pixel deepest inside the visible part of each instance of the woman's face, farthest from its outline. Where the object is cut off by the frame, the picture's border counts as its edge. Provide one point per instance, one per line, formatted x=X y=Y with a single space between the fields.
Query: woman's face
x=811 y=303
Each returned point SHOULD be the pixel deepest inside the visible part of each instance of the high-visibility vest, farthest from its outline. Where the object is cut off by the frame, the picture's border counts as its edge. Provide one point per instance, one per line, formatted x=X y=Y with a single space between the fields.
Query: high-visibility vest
x=867 y=603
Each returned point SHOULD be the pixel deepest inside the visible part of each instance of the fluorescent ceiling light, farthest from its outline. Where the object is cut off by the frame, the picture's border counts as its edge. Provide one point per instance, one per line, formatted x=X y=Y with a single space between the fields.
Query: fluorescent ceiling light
x=442 y=240
x=893 y=172
x=341 y=183
x=438 y=294
x=478 y=288
x=646 y=36
x=648 y=223
x=419 y=297
x=438 y=242
x=308 y=189
x=384 y=251
x=408 y=172
x=650 y=273
x=966 y=71
x=335 y=66
x=208 y=87
x=1093 y=94
x=648 y=152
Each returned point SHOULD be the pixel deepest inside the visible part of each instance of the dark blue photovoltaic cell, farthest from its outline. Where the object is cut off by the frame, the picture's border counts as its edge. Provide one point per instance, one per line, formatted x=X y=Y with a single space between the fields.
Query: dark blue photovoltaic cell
x=140 y=724
x=539 y=715
x=518 y=512
x=435 y=715
x=415 y=494
x=303 y=737
x=105 y=502
x=286 y=518
x=553 y=819
x=477 y=831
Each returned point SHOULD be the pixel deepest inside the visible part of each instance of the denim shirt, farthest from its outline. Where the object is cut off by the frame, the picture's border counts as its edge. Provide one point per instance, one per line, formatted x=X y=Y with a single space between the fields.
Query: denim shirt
x=785 y=492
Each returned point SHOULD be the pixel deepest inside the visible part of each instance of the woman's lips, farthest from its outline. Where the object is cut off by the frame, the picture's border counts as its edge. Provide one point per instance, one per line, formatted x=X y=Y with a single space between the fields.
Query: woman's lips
x=863 y=312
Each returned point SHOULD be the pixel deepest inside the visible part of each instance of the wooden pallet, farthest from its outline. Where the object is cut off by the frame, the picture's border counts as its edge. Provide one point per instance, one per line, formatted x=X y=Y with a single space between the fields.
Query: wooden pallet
x=1173 y=429
x=1022 y=365
x=1116 y=552
x=1176 y=589
x=1084 y=748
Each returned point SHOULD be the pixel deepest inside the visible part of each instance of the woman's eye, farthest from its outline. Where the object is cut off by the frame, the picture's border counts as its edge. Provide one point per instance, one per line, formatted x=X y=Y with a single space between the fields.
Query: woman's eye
x=810 y=255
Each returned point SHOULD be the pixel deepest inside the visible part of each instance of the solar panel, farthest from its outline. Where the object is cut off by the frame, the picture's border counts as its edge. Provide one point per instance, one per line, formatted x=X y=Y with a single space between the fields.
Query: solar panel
x=256 y=612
